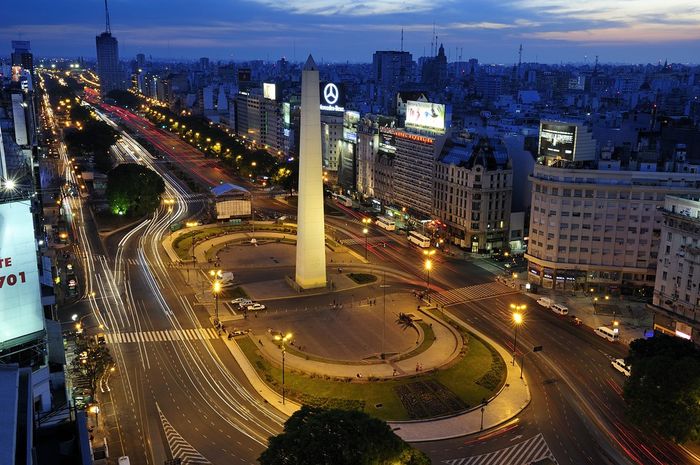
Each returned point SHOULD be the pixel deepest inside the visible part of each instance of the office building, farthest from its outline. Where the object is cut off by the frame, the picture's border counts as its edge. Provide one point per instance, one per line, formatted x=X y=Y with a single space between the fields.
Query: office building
x=676 y=301
x=108 y=68
x=390 y=69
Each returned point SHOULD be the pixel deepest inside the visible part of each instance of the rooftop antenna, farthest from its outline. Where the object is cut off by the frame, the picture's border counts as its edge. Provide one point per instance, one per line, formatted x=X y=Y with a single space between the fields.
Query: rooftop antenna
x=402 y=39
x=520 y=56
x=595 y=70
x=108 y=28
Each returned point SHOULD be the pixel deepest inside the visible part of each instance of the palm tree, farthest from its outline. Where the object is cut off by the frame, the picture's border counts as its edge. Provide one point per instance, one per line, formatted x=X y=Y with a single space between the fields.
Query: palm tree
x=405 y=321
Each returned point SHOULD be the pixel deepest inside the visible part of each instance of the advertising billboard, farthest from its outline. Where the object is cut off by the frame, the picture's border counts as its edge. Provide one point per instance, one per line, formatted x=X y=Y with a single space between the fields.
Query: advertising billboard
x=387 y=141
x=269 y=91
x=425 y=115
x=21 y=313
x=286 y=114
x=557 y=140
x=332 y=96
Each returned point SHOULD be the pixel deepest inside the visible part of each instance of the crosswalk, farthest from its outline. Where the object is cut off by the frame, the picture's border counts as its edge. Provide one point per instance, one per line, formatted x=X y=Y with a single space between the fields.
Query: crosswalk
x=526 y=452
x=179 y=448
x=370 y=240
x=162 y=336
x=469 y=293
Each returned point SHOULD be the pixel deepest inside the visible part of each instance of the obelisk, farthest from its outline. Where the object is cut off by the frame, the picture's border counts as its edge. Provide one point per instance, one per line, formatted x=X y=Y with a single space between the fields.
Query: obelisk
x=311 y=242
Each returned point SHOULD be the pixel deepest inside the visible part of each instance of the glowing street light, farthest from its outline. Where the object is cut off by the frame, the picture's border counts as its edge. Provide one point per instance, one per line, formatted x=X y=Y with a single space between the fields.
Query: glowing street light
x=282 y=340
x=216 y=289
x=428 y=265
x=517 y=321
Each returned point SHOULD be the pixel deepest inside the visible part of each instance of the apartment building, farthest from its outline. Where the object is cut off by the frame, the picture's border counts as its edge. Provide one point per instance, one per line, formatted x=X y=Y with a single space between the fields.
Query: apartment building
x=676 y=301
x=473 y=190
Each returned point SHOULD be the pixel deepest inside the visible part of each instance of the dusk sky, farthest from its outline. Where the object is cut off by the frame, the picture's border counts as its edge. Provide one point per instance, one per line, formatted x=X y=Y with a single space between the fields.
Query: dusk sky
x=630 y=31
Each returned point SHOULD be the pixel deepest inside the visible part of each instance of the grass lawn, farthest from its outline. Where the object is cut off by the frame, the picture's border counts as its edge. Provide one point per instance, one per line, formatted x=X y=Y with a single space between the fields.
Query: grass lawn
x=461 y=378
x=235 y=293
x=362 y=278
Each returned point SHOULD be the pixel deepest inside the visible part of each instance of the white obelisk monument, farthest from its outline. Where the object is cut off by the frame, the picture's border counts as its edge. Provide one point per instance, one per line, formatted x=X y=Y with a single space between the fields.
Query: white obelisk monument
x=311 y=239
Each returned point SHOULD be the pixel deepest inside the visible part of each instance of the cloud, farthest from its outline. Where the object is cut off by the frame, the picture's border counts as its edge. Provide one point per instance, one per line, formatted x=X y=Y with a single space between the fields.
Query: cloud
x=348 y=8
x=633 y=33
x=616 y=11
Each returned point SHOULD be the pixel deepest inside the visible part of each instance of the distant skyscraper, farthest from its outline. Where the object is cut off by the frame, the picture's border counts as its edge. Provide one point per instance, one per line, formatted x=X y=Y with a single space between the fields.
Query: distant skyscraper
x=434 y=72
x=108 y=69
x=390 y=69
x=21 y=55
x=140 y=61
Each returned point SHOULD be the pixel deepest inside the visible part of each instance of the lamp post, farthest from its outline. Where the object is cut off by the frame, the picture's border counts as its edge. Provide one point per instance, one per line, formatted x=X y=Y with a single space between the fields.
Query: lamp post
x=428 y=266
x=282 y=340
x=517 y=321
x=216 y=290
x=365 y=231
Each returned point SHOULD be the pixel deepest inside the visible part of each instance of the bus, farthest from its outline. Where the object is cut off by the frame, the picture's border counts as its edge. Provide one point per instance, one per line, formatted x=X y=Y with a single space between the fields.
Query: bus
x=341 y=199
x=386 y=223
x=419 y=239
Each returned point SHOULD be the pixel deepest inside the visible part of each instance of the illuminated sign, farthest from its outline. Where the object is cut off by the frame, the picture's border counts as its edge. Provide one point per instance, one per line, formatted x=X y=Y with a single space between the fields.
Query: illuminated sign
x=286 y=114
x=269 y=91
x=683 y=330
x=332 y=97
x=21 y=312
x=425 y=115
x=557 y=140
x=387 y=141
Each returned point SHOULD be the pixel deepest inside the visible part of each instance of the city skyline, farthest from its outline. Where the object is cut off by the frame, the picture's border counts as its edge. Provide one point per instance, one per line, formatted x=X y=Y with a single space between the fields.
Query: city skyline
x=551 y=31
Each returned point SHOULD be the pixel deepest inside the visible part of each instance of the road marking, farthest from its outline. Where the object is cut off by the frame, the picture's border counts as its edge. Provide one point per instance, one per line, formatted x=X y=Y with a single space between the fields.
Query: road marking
x=179 y=447
x=523 y=453
x=469 y=293
x=161 y=336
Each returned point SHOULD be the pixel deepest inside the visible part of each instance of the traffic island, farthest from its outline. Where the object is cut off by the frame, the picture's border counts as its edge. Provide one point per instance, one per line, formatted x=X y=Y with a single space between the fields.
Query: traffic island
x=445 y=387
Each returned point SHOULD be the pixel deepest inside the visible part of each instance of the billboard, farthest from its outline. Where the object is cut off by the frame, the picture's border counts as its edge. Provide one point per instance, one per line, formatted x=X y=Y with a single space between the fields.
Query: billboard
x=557 y=140
x=286 y=114
x=21 y=313
x=269 y=91
x=387 y=141
x=332 y=96
x=425 y=115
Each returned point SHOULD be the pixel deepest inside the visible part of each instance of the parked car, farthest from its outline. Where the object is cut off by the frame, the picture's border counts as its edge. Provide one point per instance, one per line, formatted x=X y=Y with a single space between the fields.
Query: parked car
x=255 y=307
x=576 y=321
x=240 y=300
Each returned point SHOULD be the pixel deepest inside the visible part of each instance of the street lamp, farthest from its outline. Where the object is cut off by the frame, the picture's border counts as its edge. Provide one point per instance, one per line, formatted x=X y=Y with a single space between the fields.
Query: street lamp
x=282 y=340
x=365 y=231
x=428 y=266
x=517 y=321
x=216 y=289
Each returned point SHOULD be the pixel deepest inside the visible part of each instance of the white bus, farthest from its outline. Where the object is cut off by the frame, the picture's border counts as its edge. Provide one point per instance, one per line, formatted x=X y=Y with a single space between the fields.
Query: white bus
x=386 y=223
x=341 y=199
x=419 y=239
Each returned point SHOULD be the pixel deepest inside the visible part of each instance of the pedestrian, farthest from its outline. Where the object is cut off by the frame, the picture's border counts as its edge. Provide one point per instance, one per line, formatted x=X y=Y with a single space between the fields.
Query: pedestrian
x=259 y=342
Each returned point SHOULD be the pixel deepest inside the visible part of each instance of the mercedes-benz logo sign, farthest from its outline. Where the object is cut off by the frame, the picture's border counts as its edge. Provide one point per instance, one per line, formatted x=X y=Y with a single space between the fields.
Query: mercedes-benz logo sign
x=331 y=93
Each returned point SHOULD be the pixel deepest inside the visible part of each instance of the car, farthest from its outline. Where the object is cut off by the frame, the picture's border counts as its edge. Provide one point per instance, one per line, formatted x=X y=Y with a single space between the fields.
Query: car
x=101 y=339
x=240 y=300
x=576 y=321
x=255 y=307
x=619 y=365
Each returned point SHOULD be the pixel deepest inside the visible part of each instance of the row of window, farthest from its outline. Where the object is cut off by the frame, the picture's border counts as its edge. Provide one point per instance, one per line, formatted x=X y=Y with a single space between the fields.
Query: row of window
x=599 y=194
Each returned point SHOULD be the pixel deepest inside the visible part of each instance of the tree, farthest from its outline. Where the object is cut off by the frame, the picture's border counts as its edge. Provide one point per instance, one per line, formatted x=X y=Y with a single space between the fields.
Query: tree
x=95 y=138
x=663 y=391
x=405 y=321
x=317 y=436
x=134 y=189
x=124 y=98
x=93 y=361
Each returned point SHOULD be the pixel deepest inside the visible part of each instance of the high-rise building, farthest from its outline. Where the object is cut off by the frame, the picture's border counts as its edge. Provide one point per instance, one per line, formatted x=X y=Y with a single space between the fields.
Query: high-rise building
x=434 y=71
x=390 y=69
x=473 y=189
x=676 y=301
x=108 y=69
x=22 y=55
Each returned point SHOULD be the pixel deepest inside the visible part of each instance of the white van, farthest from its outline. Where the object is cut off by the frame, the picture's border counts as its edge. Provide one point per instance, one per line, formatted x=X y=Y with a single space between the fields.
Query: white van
x=607 y=333
x=559 y=309
x=619 y=365
x=546 y=302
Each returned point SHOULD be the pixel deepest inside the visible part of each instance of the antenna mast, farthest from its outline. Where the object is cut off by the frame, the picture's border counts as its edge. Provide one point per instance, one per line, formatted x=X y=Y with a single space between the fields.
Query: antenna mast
x=402 y=39
x=108 y=28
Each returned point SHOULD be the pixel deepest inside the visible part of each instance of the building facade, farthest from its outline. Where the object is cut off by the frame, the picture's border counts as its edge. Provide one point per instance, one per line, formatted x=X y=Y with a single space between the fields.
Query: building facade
x=598 y=228
x=676 y=301
x=473 y=189
x=108 y=69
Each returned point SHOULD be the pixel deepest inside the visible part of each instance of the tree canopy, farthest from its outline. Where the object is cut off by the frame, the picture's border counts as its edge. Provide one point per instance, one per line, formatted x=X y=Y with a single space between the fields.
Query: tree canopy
x=95 y=138
x=124 y=98
x=663 y=391
x=133 y=189
x=316 y=436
